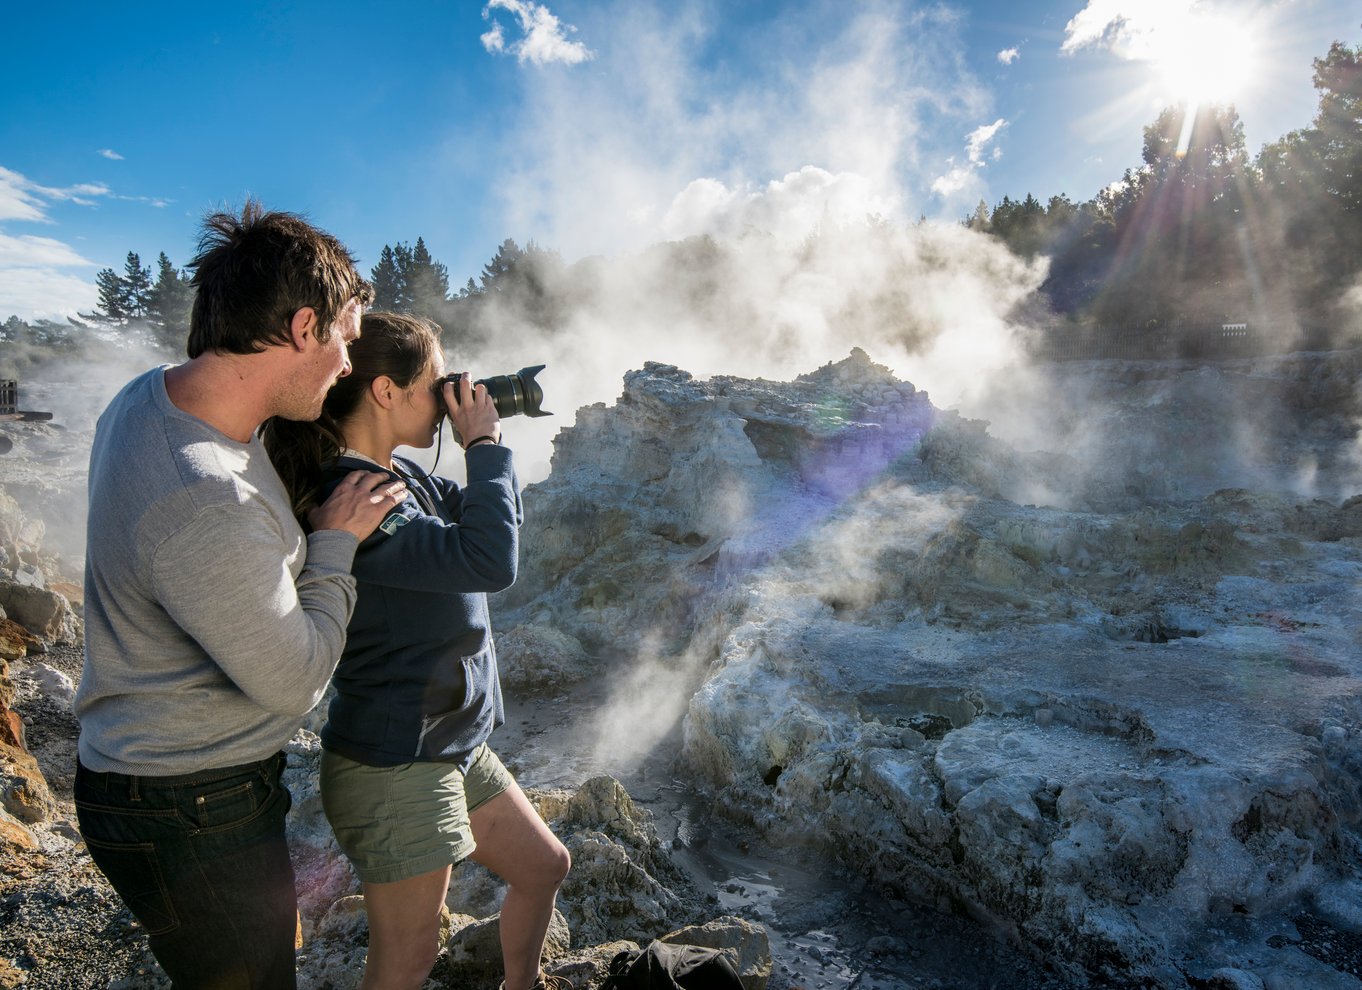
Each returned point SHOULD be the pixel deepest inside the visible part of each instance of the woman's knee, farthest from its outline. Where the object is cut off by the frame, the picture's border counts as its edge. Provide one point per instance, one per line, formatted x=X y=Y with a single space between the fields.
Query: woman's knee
x=560 y=864
x=407 y=965
x=546 y=869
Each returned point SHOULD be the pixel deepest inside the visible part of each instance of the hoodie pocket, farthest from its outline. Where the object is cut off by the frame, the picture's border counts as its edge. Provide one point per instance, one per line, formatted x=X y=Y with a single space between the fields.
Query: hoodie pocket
x=458 y=730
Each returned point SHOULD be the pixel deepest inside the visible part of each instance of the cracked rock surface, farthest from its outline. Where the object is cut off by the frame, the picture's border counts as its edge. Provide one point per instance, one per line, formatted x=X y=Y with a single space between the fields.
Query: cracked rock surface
x=1114 y=722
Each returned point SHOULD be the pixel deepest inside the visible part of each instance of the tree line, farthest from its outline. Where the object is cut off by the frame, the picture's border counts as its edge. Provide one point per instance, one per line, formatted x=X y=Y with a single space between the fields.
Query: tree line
x=1202 y=233
x=521 y=285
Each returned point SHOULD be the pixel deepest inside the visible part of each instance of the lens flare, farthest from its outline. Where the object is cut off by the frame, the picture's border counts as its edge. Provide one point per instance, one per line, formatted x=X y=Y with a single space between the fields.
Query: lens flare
x=1204 y=58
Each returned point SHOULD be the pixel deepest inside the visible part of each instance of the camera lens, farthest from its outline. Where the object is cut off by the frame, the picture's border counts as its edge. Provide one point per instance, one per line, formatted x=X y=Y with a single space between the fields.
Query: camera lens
x=512 y=395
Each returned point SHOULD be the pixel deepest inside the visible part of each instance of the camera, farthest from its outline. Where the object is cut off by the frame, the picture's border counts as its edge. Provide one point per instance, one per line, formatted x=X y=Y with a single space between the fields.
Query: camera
x=512 y=395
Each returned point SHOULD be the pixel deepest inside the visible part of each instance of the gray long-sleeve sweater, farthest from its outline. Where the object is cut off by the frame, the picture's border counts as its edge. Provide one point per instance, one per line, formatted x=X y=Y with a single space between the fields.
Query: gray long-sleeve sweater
x=212 y=625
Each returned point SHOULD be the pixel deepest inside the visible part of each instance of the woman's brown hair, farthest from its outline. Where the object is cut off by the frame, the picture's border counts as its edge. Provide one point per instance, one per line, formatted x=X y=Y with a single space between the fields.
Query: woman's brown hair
x=397 y=345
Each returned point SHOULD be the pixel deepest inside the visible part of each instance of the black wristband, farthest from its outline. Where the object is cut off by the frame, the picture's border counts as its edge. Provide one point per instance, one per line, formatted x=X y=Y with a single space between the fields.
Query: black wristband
x=477 y=440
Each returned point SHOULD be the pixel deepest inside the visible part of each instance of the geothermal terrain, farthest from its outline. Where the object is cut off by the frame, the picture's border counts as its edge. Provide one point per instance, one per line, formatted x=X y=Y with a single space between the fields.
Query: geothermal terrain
x=873 y=693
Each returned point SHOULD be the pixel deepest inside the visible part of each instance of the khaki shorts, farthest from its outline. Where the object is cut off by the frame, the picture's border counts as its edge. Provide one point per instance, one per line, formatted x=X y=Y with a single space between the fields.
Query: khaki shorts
x=400 y=822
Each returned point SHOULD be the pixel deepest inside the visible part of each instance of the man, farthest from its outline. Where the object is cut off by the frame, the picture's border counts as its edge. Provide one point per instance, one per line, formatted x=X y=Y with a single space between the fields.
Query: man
x=212 y=624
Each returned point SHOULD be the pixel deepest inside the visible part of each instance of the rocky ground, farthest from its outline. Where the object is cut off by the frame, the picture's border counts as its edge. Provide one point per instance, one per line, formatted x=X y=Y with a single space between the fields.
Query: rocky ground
x=1070 y=700
x=61 y=926
x=1101 y=693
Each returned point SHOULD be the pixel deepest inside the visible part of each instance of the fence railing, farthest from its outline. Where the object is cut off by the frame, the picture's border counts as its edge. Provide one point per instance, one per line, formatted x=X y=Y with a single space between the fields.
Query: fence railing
x=1221 y=340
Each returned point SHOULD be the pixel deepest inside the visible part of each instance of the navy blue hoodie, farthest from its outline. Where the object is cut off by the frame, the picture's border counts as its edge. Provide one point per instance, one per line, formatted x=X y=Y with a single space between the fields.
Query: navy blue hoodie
x=418 y=678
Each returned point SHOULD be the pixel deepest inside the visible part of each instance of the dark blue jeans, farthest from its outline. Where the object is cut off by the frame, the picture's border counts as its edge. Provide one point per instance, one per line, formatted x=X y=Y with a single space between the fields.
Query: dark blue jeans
x=201 y=860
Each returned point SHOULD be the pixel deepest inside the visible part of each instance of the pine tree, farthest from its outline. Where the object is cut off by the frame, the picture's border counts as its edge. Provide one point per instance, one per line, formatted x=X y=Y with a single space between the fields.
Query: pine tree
x=387 y=281
x=170 y=301
x=111 y=296
x=501 y=266
x=136 y=286
x=427 y=282
x=978 y=220
x=402 y=301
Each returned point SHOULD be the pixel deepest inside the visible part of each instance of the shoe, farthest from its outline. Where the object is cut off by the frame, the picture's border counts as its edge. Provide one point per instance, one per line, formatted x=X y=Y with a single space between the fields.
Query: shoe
x=546 y=982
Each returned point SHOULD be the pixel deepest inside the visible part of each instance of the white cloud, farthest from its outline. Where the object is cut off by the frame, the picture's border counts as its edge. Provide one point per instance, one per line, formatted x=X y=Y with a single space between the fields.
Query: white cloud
x=155 y=201
x=957 y=180
x=28 y=251
x=35 y=277
x=1009 y=55
x=34 y=284
x=83 y=194
x=979 y=138
x=44 y=293
x=110 y=154
x=545 y=38
x=1103 y=23
x=23 y=199
x=18 y=200
x=1137 y=29
x=963 y=181
x=494 y=40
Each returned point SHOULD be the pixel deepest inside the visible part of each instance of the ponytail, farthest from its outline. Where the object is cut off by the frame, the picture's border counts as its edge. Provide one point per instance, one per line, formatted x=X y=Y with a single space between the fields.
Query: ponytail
x=299 y=449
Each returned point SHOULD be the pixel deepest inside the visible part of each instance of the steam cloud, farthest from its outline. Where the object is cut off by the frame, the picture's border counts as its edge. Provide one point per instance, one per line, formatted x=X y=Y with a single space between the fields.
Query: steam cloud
x=762 y=237
x=804 y=182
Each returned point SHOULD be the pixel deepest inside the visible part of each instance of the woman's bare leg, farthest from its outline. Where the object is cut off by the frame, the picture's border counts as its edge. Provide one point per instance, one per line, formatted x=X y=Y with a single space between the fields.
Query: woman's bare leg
x=404 y=930
x=516 y=845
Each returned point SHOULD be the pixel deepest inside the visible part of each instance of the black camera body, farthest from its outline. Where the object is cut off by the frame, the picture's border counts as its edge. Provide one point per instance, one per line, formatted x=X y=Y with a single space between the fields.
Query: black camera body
x=512 y=395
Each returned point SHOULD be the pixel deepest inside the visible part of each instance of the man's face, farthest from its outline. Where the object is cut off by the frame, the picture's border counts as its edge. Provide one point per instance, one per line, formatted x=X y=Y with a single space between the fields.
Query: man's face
x=327 y=361
x=336 y=348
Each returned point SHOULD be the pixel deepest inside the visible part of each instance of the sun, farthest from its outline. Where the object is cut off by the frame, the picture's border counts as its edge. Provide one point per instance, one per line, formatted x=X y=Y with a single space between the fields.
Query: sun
x=1204 y=57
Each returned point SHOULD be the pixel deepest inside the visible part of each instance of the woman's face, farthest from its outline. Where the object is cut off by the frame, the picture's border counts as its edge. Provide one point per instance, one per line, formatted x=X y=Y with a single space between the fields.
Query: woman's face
x=418 y=415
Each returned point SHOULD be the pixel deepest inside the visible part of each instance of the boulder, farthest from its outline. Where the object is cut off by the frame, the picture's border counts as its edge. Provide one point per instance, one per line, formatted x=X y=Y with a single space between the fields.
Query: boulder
x=12 y=519
x=539 y=659
x=23 y=789
x=15 y=838
x=609 y=893
x=748 y=945
x=15 y=640
x=588 y=965
x=474 y=950
x=44 y=613
x=54 y=684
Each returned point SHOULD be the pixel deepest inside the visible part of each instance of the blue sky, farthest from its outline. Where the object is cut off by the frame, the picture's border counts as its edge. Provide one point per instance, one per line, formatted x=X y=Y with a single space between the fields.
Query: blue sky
x=592 y=127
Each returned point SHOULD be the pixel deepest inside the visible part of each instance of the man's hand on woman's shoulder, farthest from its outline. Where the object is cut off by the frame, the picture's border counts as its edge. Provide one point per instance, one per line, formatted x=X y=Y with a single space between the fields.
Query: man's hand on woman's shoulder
x=359 y=503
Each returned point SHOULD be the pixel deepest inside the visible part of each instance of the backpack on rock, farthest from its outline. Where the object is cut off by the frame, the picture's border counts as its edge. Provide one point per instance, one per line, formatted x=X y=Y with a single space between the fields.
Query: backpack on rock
x=672 y=966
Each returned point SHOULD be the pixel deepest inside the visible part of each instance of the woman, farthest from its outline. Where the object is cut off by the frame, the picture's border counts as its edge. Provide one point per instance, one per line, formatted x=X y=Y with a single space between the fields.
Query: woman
x=408 y=782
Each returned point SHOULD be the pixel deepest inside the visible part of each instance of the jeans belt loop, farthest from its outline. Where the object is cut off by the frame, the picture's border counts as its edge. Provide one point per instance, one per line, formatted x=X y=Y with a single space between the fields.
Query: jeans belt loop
x=134 y=788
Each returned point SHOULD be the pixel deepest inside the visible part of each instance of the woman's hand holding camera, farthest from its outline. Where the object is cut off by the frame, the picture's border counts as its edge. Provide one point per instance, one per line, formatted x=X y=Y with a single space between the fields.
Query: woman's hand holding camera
x=472 y=411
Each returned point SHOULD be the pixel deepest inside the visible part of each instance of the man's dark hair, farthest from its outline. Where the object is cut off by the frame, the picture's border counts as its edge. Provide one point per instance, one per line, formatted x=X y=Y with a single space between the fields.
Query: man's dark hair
x=255 y=271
